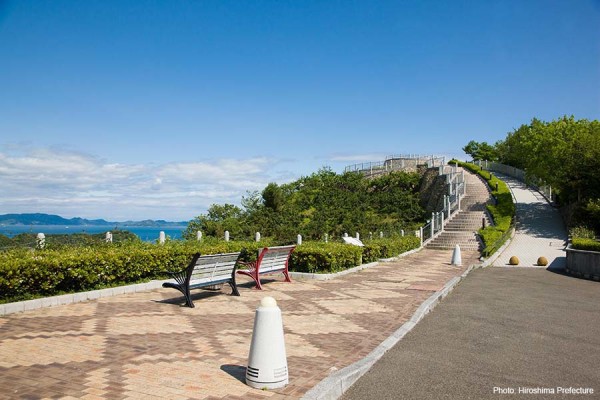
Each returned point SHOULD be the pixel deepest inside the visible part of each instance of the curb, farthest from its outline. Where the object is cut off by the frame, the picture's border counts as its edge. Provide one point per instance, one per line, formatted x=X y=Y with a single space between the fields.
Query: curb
x=27 y=305
x=338 y=382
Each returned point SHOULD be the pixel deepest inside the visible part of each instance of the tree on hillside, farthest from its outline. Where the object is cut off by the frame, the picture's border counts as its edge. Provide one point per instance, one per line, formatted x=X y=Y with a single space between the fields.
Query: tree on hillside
x=481 y=151
x=323 y=202
x=564 y=153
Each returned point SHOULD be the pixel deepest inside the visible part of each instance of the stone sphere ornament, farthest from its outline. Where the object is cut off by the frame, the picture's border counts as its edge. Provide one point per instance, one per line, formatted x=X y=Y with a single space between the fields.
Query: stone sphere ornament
x=542 y=261
x=514 y=260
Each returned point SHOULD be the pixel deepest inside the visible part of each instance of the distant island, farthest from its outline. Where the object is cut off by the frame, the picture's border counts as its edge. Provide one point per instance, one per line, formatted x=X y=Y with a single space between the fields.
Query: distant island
x=50 y=219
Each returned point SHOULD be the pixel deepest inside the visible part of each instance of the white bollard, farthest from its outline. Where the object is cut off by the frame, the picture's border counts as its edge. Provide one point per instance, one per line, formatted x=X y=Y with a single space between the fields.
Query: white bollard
x=357 y=235
x=267 y=361
x=257 y=236
x=456 y=257
x=161 y=237
x=345 y=234
x=227 y=236
x=108 y=237
x=381 y=235
x=299 y=240
x=40 y=240
x=199 y=235
x=401 y=232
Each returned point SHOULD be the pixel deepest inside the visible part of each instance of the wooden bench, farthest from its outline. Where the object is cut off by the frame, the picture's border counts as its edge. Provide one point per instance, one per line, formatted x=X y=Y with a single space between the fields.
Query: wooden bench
x=270 y=260
x=207 y=270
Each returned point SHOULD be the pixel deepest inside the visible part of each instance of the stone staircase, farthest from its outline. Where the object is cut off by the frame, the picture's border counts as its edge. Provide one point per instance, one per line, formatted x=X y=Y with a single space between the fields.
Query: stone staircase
x=462 y=228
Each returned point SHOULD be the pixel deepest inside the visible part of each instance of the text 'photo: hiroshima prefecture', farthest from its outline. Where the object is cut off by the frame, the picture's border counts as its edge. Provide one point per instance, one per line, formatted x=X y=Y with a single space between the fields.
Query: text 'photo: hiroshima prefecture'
x=317 y=200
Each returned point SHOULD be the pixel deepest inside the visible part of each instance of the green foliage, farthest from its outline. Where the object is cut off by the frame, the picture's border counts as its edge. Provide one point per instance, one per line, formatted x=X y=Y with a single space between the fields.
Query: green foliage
x=324 y=202
x=28 y=273
x=318 y=257
x=25 y=272
x=585 y=244
x=56 y=241
x=481 y=151
x=220 y=218
x=388 y=247
x=565 y=154
x=582 y=232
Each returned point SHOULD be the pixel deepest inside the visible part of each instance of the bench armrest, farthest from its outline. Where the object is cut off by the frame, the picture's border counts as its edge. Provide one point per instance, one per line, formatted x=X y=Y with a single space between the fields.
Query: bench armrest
x=250 y=265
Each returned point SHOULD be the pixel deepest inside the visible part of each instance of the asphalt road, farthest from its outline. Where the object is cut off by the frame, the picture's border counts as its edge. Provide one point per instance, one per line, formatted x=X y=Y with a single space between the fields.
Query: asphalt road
x=501 y=331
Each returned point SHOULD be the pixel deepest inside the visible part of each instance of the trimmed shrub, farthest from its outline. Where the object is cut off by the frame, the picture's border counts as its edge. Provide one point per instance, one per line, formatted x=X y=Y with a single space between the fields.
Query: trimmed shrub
x=585 y=244
x=28 y=273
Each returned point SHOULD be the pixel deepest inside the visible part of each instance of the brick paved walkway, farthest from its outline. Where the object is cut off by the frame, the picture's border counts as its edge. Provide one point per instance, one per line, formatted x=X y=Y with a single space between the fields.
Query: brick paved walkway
x=145 y=345
x=540 y=230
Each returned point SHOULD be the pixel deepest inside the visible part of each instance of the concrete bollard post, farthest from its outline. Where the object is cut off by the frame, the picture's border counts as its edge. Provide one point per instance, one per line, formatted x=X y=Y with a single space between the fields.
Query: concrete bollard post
x=401 y=232
x=267 y=360
x=345 y=234
x=257 y=237
x=199 y=236
x=299 y=240
x=380 y=234
x=40 y=240
x=227 y=236
x=161 y=237
x=108 y=237
x=358 y=235
x=456 y=257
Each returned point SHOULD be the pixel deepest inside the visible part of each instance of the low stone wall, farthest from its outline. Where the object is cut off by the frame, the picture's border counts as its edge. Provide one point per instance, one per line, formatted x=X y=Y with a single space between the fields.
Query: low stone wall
x=583 y=263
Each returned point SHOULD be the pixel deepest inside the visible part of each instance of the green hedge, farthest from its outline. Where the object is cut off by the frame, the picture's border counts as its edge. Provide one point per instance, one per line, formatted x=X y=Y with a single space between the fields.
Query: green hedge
x=585 y=244
x=502 y=212
x=27 y=273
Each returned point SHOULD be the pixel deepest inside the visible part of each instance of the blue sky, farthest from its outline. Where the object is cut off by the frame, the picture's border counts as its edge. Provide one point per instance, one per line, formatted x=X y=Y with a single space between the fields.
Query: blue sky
x=157 y=109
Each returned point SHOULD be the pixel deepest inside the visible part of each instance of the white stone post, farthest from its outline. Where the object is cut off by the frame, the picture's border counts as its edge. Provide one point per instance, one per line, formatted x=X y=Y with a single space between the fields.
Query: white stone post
x=401 y=232
x=299 y=240
x=199 y=235
x=326 y=238
x=357 y=236
x=108 y=237
x=257 y=237
x=432 y=223
x=40 y=240
x=345 y=234
x=161 y=237
x=381 y=234
x=227 y=236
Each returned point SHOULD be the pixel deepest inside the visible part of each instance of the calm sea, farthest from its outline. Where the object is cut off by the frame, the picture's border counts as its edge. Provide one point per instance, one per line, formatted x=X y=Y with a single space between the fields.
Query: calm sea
x=147 y=234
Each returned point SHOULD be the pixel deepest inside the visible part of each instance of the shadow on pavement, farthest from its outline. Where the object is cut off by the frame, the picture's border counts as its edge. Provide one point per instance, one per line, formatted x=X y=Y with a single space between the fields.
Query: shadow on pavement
x=236 y=371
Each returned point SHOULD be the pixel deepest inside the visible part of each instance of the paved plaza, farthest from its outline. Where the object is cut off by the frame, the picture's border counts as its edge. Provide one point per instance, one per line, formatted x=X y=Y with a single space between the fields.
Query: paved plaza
x=146 y=345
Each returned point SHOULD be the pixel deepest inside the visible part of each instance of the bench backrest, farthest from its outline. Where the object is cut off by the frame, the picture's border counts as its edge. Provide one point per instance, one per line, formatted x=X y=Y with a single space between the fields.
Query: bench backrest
x=212 y=266
x=274 y=257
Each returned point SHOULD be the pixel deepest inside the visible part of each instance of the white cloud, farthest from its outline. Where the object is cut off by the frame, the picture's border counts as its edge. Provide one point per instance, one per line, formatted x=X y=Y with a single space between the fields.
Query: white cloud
x=74 y=184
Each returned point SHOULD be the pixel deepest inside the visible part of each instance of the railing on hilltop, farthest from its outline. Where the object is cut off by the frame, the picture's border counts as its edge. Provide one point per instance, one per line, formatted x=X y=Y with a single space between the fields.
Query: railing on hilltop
x=519 y=174
x=396 y=163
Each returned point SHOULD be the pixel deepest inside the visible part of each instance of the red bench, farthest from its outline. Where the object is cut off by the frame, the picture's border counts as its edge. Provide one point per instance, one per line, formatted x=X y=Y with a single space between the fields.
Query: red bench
x=270 y=260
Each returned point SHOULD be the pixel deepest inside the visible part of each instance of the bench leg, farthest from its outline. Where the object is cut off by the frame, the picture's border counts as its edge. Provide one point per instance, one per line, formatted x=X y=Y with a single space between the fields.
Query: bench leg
x=287 y=275
x=188 y=298
x=257 y=280
x=234 y=289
